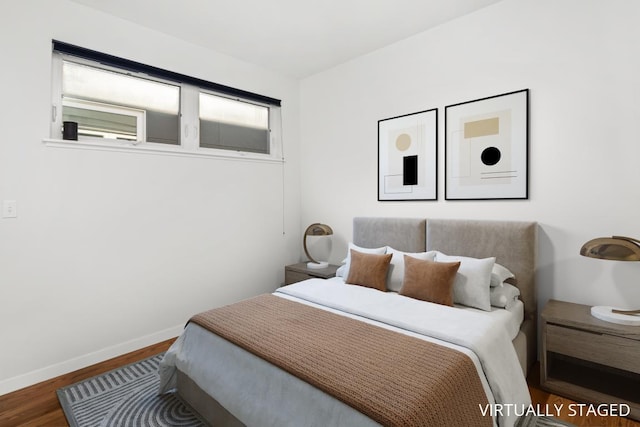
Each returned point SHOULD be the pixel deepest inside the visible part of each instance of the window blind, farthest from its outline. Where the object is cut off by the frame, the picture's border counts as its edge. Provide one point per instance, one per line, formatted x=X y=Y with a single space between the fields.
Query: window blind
x=134 y=66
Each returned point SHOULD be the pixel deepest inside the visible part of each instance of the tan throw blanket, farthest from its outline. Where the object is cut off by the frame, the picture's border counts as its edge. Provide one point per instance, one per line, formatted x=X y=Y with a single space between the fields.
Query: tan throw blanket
x=394 y=379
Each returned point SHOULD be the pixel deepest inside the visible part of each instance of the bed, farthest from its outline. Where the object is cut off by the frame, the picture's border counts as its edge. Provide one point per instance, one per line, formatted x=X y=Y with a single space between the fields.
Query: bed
x=229 y=384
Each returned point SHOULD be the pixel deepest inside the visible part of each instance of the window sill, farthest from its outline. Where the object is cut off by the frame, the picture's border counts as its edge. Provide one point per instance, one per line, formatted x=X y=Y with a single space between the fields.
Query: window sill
x=161 y=149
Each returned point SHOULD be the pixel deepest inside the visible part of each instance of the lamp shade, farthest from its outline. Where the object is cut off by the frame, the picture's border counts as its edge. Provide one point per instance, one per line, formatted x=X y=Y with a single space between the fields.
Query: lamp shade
x=616 y=248
x=315 y=229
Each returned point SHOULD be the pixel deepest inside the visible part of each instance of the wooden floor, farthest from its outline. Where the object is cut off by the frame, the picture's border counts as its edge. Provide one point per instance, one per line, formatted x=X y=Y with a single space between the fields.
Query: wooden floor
x=38 y=405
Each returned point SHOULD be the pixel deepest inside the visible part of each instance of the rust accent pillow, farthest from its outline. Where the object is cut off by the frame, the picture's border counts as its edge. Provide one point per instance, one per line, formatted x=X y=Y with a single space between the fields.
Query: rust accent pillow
x=369 y=270
x=429 y=280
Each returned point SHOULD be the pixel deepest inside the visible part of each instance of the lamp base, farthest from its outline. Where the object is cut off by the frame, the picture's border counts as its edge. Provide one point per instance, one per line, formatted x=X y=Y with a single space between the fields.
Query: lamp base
x=604 y=313
x=317 y=265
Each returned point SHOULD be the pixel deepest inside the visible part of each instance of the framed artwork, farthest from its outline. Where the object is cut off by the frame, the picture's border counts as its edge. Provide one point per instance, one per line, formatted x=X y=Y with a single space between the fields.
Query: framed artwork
x=486 y=148
x=407 y=157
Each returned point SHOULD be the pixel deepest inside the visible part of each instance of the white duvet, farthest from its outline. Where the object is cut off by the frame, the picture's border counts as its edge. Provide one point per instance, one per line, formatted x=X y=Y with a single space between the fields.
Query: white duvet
x=485 y=336
x=202 y=356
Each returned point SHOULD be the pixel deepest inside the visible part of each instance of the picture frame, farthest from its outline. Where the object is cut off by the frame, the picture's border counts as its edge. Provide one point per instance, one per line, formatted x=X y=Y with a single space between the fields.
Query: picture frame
x=487 y=148
x=408 y=157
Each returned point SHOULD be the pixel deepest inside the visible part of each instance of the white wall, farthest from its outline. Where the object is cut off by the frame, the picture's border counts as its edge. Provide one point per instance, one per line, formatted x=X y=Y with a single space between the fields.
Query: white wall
x=114 y=251
x=581 y=62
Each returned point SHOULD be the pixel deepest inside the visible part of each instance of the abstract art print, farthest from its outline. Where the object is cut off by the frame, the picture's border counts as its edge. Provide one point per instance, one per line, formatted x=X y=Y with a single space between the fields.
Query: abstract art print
x=486 y=148
x=407 y=157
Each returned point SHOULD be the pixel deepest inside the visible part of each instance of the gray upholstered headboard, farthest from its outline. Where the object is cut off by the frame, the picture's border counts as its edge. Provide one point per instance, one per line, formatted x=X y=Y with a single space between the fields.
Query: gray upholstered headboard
x=513 y=243
x=403 y=234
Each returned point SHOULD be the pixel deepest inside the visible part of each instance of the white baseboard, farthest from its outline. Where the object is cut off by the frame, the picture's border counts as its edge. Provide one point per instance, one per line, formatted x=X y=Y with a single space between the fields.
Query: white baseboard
x=49 y=372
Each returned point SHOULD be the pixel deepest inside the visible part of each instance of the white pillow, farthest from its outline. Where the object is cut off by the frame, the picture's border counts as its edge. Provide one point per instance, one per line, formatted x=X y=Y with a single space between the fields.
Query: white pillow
x=504 y=296
x=499 y=274
x=396 y=268
x=471 y=287
x=344 y=272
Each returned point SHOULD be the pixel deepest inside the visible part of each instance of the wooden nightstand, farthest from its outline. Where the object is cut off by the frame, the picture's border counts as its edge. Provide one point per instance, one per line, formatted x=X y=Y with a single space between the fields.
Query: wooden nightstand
x=588 y=359
x=298 y=272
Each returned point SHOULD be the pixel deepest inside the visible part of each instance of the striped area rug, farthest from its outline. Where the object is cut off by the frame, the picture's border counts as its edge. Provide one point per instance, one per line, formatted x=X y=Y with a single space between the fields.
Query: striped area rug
x=541 y=421
x=125 y=397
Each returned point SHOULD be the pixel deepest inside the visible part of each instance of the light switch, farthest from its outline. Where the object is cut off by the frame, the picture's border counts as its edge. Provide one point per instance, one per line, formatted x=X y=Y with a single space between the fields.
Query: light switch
x=9 y=209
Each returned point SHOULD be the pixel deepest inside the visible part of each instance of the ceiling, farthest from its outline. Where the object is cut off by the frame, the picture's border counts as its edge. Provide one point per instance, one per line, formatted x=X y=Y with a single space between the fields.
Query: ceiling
x=295 y=37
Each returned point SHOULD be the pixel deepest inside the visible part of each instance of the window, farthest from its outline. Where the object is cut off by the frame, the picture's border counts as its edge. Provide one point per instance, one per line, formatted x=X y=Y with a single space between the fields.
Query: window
x=120 y=103
x=112 y=105
x=97 y=120
x=233 y=125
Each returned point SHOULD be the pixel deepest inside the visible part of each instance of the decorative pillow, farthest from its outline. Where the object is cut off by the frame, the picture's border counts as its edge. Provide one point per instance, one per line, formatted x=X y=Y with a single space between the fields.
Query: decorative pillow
x=504 y=296
x=369 y=270
x=471 y=287
x=396 y=269
x=429 y=280
x=343 y=271
x=500 y=274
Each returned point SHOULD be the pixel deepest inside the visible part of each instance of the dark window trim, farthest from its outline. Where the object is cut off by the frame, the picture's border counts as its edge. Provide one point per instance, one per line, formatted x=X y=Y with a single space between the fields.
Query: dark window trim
x=134 y=66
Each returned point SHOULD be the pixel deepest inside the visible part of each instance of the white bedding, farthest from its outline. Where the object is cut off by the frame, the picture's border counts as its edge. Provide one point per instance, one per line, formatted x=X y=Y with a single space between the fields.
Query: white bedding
x=488 y=344
x=510 y=318
x=482 y=334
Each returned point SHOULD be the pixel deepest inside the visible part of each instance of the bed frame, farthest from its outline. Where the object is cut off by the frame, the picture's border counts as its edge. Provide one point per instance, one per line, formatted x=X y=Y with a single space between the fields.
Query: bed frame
x=512 y=243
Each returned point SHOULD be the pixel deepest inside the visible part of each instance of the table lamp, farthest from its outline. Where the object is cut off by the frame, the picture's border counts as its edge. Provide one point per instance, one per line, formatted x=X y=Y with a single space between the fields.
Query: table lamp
x=616 y=248
x=315 y=229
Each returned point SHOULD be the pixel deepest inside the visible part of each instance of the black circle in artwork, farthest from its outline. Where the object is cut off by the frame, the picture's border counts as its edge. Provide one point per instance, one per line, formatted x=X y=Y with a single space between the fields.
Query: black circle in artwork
x=490 y=156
